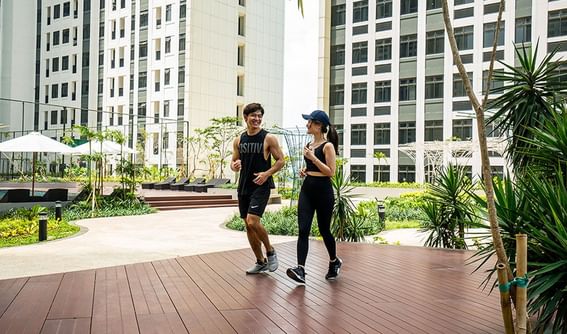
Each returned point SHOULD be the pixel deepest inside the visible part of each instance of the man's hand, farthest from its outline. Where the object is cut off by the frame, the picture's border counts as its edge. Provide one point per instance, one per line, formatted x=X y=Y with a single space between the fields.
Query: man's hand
x=303 y=172
x=260 y=178
x=236 y=165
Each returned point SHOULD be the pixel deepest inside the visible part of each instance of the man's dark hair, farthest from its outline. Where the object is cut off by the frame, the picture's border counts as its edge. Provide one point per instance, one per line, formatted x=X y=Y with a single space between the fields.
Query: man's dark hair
x=253 y=107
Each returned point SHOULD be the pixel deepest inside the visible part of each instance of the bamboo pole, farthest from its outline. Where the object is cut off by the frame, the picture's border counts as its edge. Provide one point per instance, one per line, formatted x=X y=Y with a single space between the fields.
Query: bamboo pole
x=521 y=289
x=505 y=301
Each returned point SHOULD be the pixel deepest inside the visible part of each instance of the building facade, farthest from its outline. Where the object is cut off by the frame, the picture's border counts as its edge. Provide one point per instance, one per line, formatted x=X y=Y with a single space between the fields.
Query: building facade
x=387 y=77
x=152 y=69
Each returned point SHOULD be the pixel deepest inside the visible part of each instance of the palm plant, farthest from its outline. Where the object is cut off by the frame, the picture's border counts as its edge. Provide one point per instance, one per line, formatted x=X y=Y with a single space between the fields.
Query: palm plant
x=343 y=209
x=450 y=210
x=530 y=95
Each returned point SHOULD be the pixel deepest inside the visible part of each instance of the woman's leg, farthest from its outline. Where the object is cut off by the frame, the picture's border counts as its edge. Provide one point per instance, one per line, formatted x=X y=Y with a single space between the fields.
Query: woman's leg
x=305 y=212
x=324 y=208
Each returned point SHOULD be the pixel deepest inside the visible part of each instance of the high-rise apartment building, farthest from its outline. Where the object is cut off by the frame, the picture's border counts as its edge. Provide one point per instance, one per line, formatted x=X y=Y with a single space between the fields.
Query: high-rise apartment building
x=153 y=69
x=387 y=77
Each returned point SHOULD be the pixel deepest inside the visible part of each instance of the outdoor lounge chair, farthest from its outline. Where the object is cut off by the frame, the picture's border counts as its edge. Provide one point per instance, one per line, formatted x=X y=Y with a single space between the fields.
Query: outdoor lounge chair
x=196 y=182
x=165 y=183
x=16 y=196
x=211 y=184
x=53 y=195
x=179 y=185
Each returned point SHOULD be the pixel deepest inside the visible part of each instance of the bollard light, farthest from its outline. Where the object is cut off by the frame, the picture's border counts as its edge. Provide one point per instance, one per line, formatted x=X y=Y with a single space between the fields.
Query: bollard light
x=58 y=210
x=381 y=211
x=42 y=226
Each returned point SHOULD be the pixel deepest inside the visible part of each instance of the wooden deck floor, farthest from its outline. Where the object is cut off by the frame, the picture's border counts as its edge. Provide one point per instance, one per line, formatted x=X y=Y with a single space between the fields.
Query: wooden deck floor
x=382 y=289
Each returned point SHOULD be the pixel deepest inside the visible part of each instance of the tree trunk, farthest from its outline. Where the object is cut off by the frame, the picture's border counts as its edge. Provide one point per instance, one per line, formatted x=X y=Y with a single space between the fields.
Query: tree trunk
x=479 y=111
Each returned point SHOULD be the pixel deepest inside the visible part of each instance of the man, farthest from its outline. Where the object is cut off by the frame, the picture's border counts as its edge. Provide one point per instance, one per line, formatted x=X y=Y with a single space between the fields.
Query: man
x=252 y=156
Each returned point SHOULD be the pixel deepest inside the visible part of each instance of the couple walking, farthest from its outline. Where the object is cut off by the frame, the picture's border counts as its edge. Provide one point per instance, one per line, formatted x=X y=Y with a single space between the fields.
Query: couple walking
x=252 y=155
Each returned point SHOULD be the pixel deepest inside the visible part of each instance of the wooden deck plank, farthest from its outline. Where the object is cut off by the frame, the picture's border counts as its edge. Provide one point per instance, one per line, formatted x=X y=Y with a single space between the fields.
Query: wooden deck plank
x=196 y=310
x=67 y=326
x=382 y=289
x=154 y=309
x=113 y=308
x=28 y=312
x=74 y=298
x=9 y=289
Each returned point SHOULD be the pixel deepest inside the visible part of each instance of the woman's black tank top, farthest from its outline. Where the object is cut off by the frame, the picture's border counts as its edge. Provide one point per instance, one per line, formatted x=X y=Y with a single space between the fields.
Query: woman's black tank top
x=309 y=165
x=251 y=149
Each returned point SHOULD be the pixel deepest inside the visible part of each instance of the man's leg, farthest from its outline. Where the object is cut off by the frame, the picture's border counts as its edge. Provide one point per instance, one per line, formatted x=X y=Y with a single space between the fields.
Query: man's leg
x=255 y=242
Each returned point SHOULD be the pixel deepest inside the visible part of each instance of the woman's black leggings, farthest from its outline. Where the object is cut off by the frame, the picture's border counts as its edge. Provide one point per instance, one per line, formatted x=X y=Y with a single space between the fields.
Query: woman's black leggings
x=316 y=196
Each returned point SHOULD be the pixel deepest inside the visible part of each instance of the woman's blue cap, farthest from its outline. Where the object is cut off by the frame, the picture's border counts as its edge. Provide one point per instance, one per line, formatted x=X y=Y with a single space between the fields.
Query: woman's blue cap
x=319 y=116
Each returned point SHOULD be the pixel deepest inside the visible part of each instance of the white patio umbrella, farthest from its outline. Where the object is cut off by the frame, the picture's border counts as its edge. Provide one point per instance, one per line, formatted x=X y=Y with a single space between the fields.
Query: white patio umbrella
x=108 y=147
x=34 y=142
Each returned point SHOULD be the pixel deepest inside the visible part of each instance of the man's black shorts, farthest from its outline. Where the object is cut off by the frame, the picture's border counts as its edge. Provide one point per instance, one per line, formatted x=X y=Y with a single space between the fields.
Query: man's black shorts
x=254 y=203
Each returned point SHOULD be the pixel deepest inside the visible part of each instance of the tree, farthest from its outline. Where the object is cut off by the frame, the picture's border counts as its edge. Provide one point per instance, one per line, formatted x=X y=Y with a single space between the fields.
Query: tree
x=220 y=135
x=197 y=144
x=379 y=156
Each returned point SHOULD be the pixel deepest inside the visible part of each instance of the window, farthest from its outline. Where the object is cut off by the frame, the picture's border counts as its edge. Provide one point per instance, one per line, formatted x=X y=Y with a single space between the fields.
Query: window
x=407 y=89
x=494 y=84
x=338 y=15
x=489 y=31
x=180 y=107
x=55 y=38
x=359 y=93
x=462 y=2
x=56 y=11
x=465 y=12
x=434 y=4
x=435 y=42
x=384 y=26
x=182 y=42
x=557 y=23
x=434 y=87
x=142 y=80
x=462 y=129
x=359 y=52
x=64 y=89
x=54 y=91
x=142 y=109
x=408 y=6
x=182 y=11
x=382 y=134
x=358 y=153
x=64 y=63
x=383 y=9
x=358 y=112
x=406 y=132
x=464 y=37
x=63 y=116
x=241 y=25
x=408 y=46
x=66 y=9
x=358 y=134
x=168 y=13
x=166 y=108
x=337 y=96
x=240 y=85
x=363 y=70
x=360 y=11
x=384 y=49
x=358 y=173
x=167 y=76
x=55 y=64
x=53 y=117
x=381 y=173
x=168 y=44
x=492 y=8
x=144 y=18
x=406 y=173
x=65 y=36
x=523 y=29
x=338 y=55
x=459 y=86
x=143 y=49
x=382 y=91
x=434 y=130
x=491 y=130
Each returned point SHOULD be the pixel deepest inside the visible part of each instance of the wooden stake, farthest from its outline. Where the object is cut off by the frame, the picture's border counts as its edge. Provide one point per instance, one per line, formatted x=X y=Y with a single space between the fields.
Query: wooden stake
x=505 y=301
x=521 y=290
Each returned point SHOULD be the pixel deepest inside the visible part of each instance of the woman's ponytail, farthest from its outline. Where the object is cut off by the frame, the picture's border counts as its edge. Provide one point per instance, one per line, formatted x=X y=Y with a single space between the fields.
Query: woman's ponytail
x=333 y=137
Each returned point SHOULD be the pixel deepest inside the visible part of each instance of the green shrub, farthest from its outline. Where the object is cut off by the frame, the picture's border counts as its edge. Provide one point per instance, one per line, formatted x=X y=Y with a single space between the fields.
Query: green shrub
x=15 y=231
x=406 y=207
x=287 y=193
x=388 y=184
x=109 y=206
x=281 y=222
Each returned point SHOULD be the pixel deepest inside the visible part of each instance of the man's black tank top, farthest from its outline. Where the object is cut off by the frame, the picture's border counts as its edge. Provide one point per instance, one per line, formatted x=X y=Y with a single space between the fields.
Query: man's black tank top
x=319 y=154
x=251 y=149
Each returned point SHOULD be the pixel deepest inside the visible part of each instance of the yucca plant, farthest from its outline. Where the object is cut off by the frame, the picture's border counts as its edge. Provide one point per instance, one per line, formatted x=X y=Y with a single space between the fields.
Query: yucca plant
x=529 y=96
x=451 y=210
x=343 y=209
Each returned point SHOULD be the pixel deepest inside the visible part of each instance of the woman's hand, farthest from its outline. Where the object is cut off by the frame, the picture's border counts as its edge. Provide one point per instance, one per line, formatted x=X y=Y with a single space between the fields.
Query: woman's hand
x=308 y=153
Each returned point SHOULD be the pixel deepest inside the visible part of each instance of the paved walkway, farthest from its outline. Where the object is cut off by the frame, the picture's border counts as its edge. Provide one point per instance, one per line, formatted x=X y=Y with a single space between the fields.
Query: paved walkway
x=124 y=240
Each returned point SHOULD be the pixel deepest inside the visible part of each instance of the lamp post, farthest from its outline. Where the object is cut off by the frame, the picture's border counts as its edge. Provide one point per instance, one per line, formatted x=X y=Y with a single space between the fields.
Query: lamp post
x=42 y=226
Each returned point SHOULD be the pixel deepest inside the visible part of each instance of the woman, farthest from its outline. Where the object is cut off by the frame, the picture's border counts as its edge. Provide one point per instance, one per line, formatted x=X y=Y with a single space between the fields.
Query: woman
x=317 y=193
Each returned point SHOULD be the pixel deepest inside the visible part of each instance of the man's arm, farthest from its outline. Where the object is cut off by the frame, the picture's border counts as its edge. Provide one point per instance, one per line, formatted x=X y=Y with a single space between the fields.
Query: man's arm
x=276 y=151
x=235 y=162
